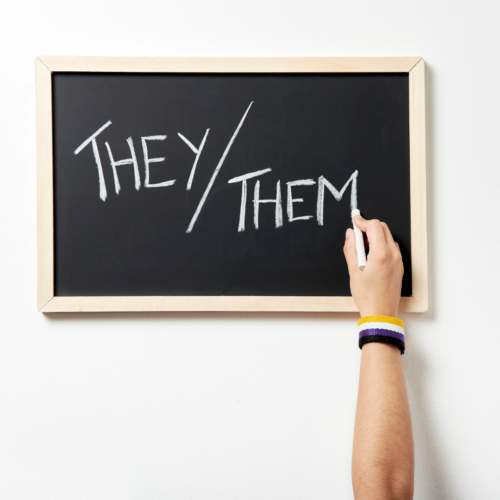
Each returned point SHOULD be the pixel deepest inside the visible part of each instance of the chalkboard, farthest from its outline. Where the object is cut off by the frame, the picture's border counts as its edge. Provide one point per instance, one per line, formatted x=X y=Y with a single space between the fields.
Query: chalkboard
x=223 y=184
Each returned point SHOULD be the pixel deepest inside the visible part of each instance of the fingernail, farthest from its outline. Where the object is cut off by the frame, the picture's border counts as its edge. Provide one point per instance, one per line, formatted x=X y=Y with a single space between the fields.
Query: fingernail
x=347 y=234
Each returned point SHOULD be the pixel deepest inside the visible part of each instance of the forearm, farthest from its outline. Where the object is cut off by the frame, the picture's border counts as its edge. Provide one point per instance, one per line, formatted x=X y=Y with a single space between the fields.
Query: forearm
x=383 y=459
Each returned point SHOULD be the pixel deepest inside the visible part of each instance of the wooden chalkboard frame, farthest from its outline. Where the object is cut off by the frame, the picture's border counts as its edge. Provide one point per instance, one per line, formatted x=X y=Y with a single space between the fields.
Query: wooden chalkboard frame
x=46 y=65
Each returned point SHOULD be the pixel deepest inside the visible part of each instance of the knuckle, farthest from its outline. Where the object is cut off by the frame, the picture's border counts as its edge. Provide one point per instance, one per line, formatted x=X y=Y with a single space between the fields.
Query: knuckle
x=384 y=256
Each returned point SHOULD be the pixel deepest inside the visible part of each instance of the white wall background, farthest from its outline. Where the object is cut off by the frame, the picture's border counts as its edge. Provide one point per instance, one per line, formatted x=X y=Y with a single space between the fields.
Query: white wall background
x=214 y=406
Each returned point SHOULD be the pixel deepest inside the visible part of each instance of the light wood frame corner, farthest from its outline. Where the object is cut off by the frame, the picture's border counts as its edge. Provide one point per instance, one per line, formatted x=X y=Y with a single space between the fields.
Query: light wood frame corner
x=46 y=65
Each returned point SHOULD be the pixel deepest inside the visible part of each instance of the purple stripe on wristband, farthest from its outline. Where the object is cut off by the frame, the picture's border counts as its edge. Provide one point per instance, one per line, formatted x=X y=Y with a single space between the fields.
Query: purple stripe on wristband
x=381 y=331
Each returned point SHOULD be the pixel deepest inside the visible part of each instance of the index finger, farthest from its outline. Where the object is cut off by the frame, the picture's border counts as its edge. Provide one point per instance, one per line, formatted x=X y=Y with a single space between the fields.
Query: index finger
x=374 y=231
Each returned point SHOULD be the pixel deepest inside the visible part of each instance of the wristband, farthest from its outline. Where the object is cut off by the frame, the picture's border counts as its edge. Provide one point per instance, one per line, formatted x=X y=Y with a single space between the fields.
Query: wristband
x=384 y=329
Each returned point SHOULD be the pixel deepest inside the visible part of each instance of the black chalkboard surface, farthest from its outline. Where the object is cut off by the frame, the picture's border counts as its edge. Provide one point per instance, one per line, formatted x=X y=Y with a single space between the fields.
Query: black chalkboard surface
x=136 y=229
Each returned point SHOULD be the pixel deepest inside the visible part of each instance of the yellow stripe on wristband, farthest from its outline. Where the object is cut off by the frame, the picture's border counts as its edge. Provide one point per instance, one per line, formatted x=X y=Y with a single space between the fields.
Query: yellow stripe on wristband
x=381 y=319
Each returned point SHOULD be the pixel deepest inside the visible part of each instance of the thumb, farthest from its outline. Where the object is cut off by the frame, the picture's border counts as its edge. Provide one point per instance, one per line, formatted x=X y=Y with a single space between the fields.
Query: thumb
x=350 y=251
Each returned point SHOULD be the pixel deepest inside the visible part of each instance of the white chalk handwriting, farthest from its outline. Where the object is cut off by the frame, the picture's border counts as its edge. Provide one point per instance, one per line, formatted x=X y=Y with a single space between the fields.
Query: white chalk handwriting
x=322 y=182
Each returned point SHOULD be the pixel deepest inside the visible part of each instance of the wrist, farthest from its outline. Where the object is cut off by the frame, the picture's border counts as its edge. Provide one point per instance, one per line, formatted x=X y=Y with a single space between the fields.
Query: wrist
x=378 y=311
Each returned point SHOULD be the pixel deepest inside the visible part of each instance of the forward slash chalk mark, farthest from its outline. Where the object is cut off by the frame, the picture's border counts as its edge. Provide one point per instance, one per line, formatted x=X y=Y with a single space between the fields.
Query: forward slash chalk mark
x=216 y=171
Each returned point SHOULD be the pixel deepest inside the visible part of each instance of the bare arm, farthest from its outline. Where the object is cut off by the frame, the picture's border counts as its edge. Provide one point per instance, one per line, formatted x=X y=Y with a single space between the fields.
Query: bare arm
x=383 y=457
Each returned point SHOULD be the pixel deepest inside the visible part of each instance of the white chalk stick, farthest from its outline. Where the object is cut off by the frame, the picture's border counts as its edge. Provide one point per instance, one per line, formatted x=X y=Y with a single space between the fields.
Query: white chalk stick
x=360 y=244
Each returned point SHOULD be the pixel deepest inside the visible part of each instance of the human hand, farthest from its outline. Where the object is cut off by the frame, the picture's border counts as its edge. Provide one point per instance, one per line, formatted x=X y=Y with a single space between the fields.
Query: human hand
x=377 y=289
